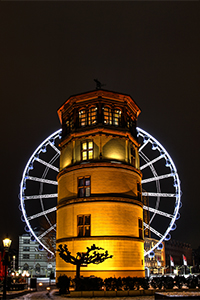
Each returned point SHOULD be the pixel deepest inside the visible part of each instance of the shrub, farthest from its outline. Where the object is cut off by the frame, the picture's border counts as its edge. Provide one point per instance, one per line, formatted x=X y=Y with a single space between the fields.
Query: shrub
x=63 y=284
x=179 y=281
x=88 y=283
x=110 y=283
x=144 y=283
x=192 y=282
x=168 y=282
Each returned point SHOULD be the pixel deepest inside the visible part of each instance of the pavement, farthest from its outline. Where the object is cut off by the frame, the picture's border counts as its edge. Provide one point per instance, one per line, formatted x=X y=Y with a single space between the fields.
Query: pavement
x=54 y=296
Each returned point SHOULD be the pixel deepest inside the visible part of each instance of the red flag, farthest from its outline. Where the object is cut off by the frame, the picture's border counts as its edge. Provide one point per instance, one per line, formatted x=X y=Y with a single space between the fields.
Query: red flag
x=171 y=261
x=184 y=260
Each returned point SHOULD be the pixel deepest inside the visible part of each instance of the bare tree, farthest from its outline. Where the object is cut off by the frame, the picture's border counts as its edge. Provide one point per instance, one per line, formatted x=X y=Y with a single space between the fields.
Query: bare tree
x=83 y=258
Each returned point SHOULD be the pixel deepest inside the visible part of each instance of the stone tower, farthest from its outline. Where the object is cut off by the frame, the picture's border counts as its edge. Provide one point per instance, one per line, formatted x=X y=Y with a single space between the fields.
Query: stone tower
x=99 y=183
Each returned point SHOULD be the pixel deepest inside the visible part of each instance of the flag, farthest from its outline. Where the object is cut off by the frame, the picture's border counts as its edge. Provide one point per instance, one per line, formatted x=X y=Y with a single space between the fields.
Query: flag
x=171 y=261
x=158 y=262
x=184 y=260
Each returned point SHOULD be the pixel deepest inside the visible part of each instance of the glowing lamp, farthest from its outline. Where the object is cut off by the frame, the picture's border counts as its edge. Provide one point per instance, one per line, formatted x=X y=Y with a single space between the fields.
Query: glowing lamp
x=6 y=243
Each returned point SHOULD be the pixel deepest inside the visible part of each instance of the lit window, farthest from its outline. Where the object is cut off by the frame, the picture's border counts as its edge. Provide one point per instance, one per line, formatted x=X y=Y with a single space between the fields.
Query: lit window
x=107 y=116
x=82 y=118
x=140 y=226
x=83 y=225
x=117 y=117
x=69 y=124
x=84 y=187
x=92 y=116
x=129 y=122
x=38 y=256
x=87 y=150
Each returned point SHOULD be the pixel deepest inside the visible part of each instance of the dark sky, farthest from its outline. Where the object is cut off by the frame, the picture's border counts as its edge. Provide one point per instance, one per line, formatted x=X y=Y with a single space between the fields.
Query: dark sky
x=51 y=50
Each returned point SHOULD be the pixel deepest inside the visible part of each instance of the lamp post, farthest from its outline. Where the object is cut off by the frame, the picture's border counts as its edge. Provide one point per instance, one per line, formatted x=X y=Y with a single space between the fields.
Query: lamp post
x=6 y=245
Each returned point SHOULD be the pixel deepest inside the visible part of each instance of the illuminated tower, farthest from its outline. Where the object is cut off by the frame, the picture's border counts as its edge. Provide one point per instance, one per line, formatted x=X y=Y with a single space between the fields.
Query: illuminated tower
x=99 y=183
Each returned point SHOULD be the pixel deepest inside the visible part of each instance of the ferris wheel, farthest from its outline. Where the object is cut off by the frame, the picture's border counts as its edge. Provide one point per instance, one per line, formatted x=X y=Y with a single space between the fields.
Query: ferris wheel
x=160 y=182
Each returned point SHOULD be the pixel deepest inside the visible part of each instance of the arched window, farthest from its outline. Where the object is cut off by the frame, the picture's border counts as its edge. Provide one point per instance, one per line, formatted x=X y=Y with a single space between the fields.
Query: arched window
x=107 y=116
x=82 y=118
x=26 y=267
x=37 y=269
x=129 y=122
x=92 y=116
x=117 y=117
x=69 y=124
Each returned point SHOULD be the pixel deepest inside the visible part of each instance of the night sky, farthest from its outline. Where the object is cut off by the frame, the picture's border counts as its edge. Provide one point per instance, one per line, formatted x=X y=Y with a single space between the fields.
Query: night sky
x=52 y=50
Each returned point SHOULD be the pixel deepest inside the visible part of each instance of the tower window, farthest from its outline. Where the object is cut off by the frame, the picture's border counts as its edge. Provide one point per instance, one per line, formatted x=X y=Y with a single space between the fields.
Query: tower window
x=83 y=225
x=117 y=117
x=87 y=150
x=107 y=116
x=129 y=122
x=84 y=186
x=140 y=226
x=82 y=118
x=133 y=155
x=139 y=194
x=92 y=116
x=69 y=124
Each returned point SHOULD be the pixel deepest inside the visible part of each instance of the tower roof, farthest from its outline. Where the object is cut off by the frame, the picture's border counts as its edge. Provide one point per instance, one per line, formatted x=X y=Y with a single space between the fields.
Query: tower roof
x=102 y=94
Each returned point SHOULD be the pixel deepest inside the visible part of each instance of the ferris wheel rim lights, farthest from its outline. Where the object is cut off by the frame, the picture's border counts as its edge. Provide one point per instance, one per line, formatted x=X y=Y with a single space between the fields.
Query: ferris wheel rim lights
x=146 y=139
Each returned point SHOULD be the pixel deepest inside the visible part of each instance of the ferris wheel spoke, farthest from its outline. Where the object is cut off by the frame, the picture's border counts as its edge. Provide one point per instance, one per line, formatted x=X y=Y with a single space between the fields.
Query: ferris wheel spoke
x=42 y=180
x=153 y=230
x=167 y=195
x=48 y=211
x=54 y=147
x=47 y=231
x=40 y=196
x=47 y=164
x=141 y=147
x=151 y=162
x=158 y=212
x=157 y=178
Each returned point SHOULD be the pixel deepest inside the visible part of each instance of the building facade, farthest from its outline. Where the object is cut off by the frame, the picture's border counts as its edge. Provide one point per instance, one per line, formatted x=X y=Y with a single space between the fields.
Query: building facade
x=33 y=259
x=154 y=262
x=177 y=249
x=99 y=183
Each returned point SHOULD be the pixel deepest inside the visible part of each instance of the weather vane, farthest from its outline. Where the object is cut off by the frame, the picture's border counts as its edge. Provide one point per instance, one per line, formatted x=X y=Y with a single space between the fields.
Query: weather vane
x=98 y=84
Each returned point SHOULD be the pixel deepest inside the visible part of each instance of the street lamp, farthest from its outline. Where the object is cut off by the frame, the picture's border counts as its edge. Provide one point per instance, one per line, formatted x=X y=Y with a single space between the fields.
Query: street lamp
x=6 y=245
